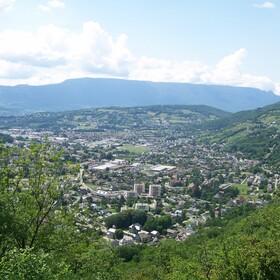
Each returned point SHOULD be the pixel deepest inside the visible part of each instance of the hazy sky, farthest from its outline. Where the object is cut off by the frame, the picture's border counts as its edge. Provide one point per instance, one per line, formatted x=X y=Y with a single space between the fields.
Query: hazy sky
x=233 y=42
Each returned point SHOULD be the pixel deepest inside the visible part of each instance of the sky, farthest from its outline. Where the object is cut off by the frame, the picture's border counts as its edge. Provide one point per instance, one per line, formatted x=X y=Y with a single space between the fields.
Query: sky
x=228 y=42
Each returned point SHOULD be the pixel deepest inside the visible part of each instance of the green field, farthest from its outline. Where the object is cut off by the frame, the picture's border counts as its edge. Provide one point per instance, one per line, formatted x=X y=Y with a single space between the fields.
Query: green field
x=243 y=189
x=135 y=149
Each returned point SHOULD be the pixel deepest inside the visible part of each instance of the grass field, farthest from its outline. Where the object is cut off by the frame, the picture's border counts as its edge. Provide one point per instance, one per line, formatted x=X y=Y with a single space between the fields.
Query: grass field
x=243 y=189
x=135 y=149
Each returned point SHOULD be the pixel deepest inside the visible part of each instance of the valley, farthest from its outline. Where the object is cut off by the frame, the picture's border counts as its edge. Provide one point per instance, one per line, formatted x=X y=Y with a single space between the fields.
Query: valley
x=142 y=177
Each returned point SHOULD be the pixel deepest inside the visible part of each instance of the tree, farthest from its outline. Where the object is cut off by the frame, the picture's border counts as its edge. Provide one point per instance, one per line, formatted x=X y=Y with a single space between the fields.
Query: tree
x=126 y=218
x=221 y=179
x=196 y=192
x=99 y=262
x=31 y=192
x=158 y=223
x=121 y=203
x=119 y=233
x=151 y=224
x=22 y=264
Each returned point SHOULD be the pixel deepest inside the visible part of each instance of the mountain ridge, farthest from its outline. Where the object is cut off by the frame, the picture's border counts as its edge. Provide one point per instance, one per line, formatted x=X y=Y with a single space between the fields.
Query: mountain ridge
x=100 y=92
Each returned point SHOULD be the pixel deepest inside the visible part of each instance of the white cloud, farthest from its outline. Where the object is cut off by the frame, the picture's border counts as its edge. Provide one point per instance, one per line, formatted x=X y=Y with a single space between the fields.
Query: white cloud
x=170 y=71
x=51 y=4
x=265 y=5
x=9 y=70
x=226 y=72
x=228 y=69
x=6 y=5
x=53 y=54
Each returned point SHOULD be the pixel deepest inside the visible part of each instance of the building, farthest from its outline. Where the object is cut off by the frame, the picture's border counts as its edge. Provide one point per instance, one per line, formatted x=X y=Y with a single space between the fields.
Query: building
x=130 y=194
x=111 y=233
x=142 y=206
x=139 y=188
x=161 y=168
x=135 y=228
x=145 y=236
x=155 y=190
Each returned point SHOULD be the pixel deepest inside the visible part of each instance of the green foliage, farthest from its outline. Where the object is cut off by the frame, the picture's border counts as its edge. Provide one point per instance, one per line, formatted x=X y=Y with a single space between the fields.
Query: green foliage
x=115 y=118
x=257 y=143
x=99 y=262
x=245 y=245
x=158 y=223
x=31 y=190
x=129 y=253
x=119 y=233
x=32 y=215
x=253 y=251
x=126 y=218
x=26 y=264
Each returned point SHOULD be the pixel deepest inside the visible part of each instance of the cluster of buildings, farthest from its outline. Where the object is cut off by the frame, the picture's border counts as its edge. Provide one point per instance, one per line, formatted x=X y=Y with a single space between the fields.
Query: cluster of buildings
x=166 y=171
x=140 y=190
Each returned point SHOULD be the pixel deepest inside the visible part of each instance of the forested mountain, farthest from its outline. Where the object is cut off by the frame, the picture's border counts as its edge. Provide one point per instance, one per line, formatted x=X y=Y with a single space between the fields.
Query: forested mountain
x=255 y=133
x=88 y=92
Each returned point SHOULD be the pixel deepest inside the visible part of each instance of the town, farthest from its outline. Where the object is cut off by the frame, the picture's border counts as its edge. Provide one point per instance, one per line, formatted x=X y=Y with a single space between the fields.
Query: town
x=137 y=186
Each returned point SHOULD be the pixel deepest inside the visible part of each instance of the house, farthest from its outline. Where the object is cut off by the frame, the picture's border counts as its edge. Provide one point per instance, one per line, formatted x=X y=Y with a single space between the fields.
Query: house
x=155 y=233
x=126 y=240
x=134 y=236
x=145 y=236
x=135 y=228
x=111 y=233
x=171 y=232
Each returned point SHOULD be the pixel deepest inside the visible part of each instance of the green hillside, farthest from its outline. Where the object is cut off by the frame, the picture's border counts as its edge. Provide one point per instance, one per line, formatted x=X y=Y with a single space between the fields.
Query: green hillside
x=255 y=133
x=116 y=118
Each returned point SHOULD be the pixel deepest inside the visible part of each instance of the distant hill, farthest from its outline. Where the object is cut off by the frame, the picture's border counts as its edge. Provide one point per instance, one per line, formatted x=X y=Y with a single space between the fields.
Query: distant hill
x=117 y=118
x=255 y=133
x=89 y=92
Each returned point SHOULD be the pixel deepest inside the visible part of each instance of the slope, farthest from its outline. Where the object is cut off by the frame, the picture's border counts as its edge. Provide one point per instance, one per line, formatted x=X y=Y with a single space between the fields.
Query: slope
x=255 y=133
